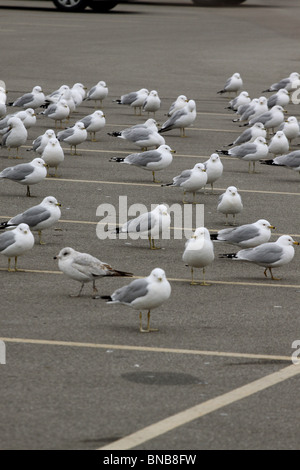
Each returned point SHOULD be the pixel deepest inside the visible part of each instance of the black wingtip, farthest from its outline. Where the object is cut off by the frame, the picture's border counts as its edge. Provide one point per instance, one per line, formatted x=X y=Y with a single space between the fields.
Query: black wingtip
x=106 y=297
x=267 y=162
x=117 y=159
x=214 y=236
x=228 y=255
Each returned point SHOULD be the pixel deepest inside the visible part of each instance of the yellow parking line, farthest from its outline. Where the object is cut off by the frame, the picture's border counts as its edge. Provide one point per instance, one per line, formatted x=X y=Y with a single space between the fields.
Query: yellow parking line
x=193 y=352
x=124 y=183
x=179 y=419
x=228 y=283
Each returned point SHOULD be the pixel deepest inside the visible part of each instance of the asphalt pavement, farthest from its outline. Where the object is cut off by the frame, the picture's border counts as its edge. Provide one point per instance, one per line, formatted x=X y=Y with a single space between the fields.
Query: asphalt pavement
x=79 y=375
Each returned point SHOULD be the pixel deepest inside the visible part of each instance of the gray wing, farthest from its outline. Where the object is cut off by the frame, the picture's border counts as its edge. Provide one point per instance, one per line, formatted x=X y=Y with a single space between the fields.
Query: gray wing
x=291 y=159
x=23 y=100
x=135 y=290
x=51 y=109
x=244 y=137
x=36 y=143
x=239 y=234
x=6 y=239
x=65 y=134
x=143 y=223
x=177 y=115
x=268 y=253
x=31 y=217
x=184 y=176
x=136 y=134
x=228 y=81
x=129 y=98
x=220 y=198
x=142 y=159
x=86 y=121
x=263 y=118
x=272 y=101
x=282 y=84
x=243 y=150
x=18 y=172
x=4 y=138
x=92 y=90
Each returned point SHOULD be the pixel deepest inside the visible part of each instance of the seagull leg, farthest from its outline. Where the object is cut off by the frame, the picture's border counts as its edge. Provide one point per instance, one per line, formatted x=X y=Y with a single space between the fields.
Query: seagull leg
x=227 y=223
x=16 y=269
x=183 y=200
x=95 y=290
x=40 y=238
x=204 y=283
x=154 y=180
x=28 y=191
x=152 y=245
x=8 y=268
x=148 y=330
x=79 y=293
x=272 y=277
x=193 y=283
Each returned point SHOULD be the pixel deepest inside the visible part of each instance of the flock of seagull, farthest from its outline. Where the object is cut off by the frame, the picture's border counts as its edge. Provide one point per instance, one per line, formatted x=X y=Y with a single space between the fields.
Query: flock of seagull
x=260 y=115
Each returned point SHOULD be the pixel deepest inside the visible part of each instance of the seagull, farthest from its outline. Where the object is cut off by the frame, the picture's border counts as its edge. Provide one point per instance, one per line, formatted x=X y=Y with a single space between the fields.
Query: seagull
x=152 y=160
x=245 y=236
x=15 y=136
x=291 y=128
x=34 y=100
x=38 y=218
x=284 y=83
x=152 y=103
x=281 y=98
x=27 y=116
x=41 y=141
x=135 y=99
x=179 y=103
x=16 y=242
x=57 y=111
x=143 y=294
x=78 y=92
x=290 y=160
x=199 y=252
x=124 y=133
x=249 y=135
x=214 y=169
x=190 y=181
x=97 y=93
x=233 y=84
x=53 y=155
x=84 y=267
x=151 y=224
x=268 y=255
x=26 y=173
x=142 y=136
x=245 y=111
x=279 y=144
x=181 y=119
x=93 y=123
x=240 y=100
x=73 y=136
x=249 y=152
x=230 y=202
x=270 y=119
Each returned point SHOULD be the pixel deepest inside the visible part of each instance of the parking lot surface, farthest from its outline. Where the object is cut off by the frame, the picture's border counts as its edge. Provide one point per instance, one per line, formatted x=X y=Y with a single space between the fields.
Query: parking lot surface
x=78 y=373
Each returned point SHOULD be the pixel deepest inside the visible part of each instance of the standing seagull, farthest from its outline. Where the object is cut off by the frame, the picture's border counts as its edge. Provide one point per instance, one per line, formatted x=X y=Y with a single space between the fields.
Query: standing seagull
x=233 y=84
x=291 y=128
x=34 y=100
x=249 y=135
x=53 y=155
x=268 y=255
x=41 y=141
x=179 y=103
x=284 y=83
x=181 y=119
x=230 y=202
x=249 y=152
x=143 y=294
x=245 y=236
x=57 y=111
x=84 y=267
x=199 y=252
x=290 y=160
x=150 y=224
x=16 y=242
x=135 y=99
x=214 y=169
x=152 y=102
x=26 y=173
x=73 y=136
x=97 y=93
x=279 y=144
x=190 y=181
x=151 y=160
x=39 y=217
x=93 y=123
x=15 y=136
